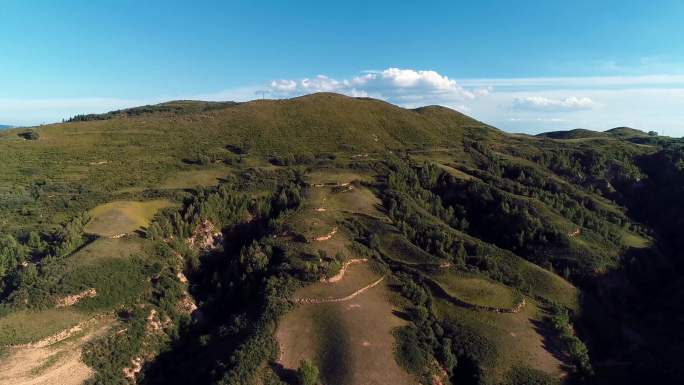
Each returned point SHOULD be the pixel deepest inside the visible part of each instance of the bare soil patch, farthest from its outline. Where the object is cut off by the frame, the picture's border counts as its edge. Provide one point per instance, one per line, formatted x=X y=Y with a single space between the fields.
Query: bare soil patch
x=54 y=360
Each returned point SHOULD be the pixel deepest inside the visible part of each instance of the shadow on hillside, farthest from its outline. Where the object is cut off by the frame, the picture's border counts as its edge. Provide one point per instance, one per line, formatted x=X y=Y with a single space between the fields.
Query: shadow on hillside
x=288 y=376
x=551 y=343
x=400 y=314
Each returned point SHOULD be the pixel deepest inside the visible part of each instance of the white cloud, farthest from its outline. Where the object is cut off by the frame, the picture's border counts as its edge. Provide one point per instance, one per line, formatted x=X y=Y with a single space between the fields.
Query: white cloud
x=646 y=109
x=284 y=85
x=430 y=81
x=407 y=87
x=541 y=103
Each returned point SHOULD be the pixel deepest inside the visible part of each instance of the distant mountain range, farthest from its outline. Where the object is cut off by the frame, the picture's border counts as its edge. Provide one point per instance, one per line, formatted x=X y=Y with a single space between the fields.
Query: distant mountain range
x=4 y=126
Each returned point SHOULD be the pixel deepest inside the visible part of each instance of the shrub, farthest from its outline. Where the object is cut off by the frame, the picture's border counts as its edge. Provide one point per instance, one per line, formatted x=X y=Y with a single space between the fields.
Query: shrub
x=29 y=135
x=307 y=373
x=409 y=353
x=528 y=376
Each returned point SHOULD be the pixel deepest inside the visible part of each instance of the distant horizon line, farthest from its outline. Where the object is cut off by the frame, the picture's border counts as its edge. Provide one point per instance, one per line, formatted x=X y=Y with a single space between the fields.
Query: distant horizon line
x=256 y=99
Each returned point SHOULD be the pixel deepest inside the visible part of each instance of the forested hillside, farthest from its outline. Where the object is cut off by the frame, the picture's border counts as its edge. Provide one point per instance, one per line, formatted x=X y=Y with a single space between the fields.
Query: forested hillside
x=336 y=240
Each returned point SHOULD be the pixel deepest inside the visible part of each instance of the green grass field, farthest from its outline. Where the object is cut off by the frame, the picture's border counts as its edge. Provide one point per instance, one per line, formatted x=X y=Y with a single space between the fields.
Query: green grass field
x=123 y=217
x=549 y=285
x=106 y=248
x=194 y=178
x=631 y=239
x=22 y=327
x=337 y=176
x=398 y=248
x=476 y=290
x=358 y=200
x=502 y=341
x=357 y=276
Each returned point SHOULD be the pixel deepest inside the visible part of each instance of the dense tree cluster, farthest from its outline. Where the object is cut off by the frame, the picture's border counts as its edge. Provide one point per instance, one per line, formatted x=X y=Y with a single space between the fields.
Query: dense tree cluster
x=423 y=342
x=573 y=346
x=27 y=284
x=240 y=286
x=12 y=253
x=511 y=206
x=172 y=108
x=300 y=158
x=422 y=218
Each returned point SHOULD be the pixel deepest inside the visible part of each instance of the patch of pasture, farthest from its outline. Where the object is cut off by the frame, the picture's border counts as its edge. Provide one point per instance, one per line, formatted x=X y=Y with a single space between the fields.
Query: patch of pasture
x=334 y=176
x=27 y=326
x=357 y=276
x=631 y=239
x=548 y=285
x=455 y=172
x=357 y=200
x=501 y=342
x=194 y=178
x=398 y=248
x=107 y=248
x=476 y=290
x=123 y=217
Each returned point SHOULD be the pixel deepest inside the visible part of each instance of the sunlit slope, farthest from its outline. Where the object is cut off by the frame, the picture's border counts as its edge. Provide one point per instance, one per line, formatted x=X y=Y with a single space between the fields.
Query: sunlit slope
x=128 y=153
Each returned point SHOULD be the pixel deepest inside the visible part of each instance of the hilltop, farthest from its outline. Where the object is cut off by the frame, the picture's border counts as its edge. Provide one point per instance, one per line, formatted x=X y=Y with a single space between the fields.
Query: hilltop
x=240 y=243
x=578 y=133
x=627 y=132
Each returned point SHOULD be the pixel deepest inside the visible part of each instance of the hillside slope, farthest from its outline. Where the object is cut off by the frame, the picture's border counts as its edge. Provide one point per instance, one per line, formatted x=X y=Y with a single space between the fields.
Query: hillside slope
x=215 y=235
x=577 y=133
x=140 y=150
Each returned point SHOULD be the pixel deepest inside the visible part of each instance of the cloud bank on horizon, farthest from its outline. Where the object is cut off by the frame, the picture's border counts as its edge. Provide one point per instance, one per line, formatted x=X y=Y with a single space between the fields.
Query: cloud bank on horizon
x=403 y=86
x=531 y=105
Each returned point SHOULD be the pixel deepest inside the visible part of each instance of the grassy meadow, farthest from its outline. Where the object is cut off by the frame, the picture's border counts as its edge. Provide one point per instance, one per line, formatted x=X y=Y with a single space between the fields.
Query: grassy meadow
x=123 y=217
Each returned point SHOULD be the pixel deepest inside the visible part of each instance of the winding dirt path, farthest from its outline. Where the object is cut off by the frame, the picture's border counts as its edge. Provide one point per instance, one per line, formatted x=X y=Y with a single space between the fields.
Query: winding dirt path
x=343 y=299
x=53 y=360
x=64 y=334
x=327 y=236
x=338 y=277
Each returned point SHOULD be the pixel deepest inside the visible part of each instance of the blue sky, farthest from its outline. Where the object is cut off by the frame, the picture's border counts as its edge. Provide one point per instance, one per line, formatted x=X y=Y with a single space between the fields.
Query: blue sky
x=523 y=66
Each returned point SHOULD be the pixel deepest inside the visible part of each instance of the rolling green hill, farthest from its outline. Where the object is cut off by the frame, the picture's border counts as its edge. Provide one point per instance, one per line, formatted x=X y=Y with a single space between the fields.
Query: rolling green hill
x=213 y=236
x=140 y=151
x=627 y=132
x=578 y=133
